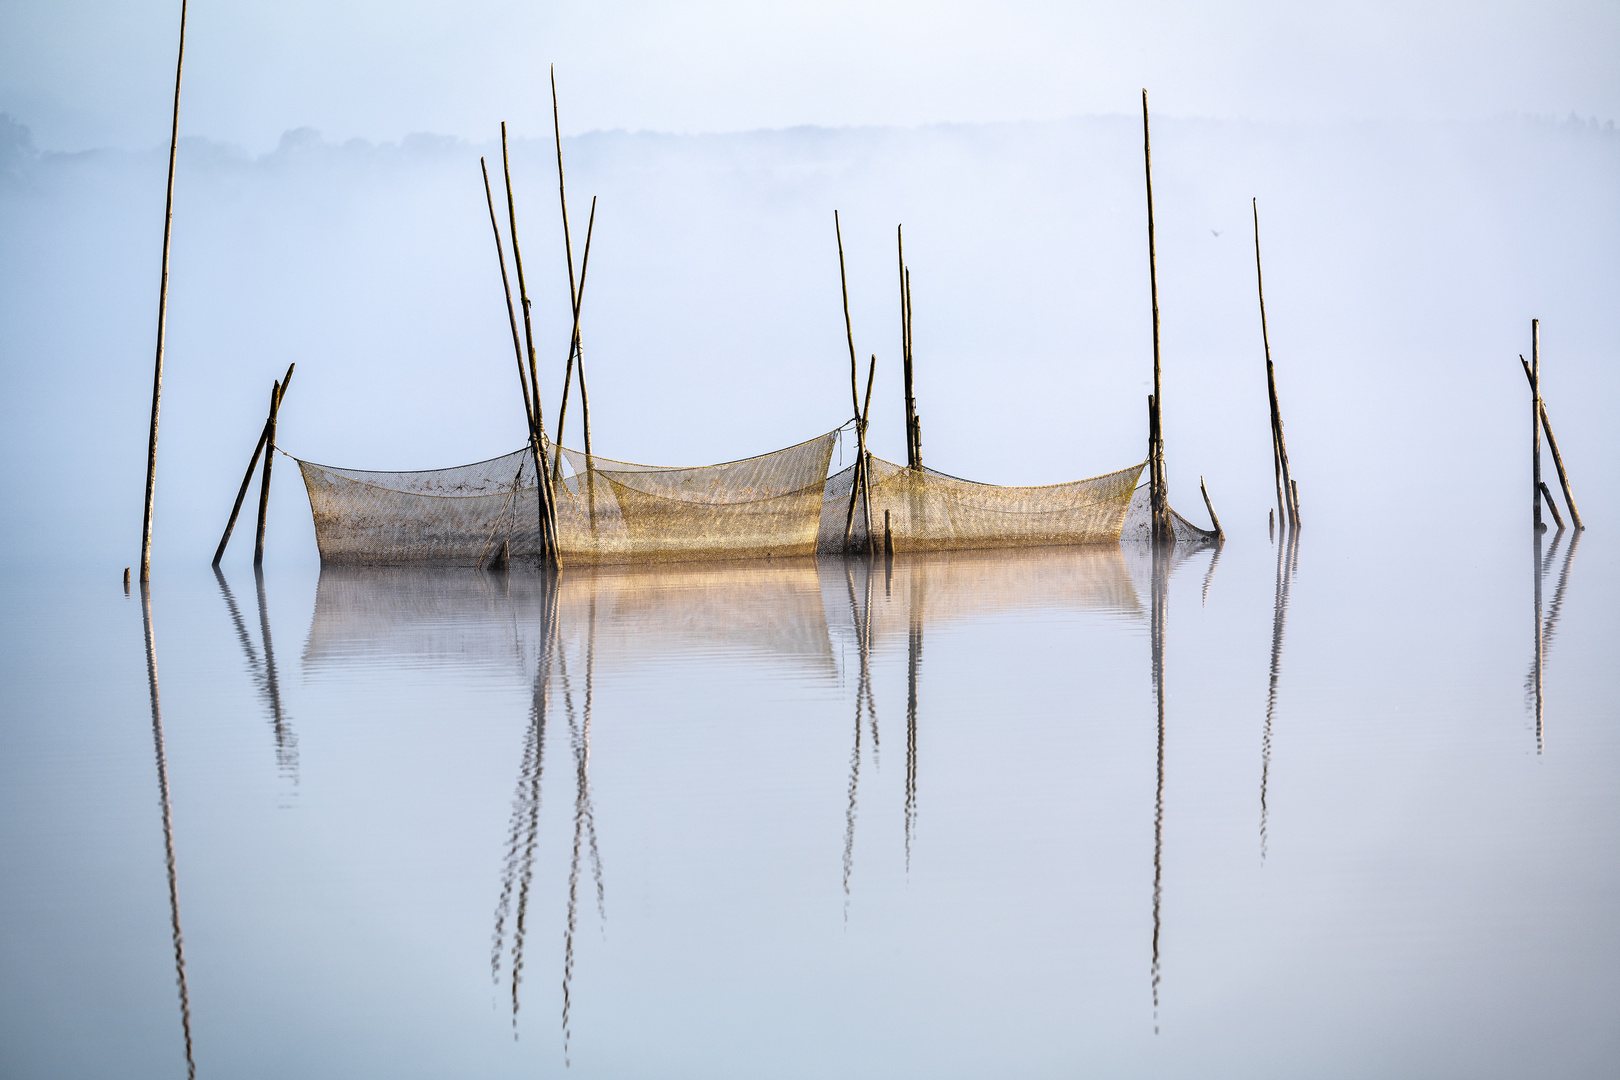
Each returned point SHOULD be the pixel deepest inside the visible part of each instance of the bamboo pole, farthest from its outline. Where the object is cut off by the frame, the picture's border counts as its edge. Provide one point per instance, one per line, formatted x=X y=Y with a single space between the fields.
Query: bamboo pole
x=1558 y=518
x=905 y=350
x=1158 y=492
x=575 y=293
x=573 y=349
x=247 y=477
x=548 y=503
x=163 y=310
x=511 y=312
x=1535 y=423
x=862 y=487
x=1558 y=459
x=1271 y=378
x=854 y=387
x=1220 y=534
x=915 y=424
x=264 y=487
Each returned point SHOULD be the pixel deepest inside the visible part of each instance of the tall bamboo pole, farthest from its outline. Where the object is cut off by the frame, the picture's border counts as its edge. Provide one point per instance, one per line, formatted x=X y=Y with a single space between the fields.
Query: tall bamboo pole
x=1158 y=492
x=548 y=505
x=1558 y=458
x=573 y=350
x=905 y=350
x=264 y=488
x=247 y=477
x=1535 y=426
x=163 y=310
x=914 y=425
x=854 y=379
x=1271 y=378
x=573 y=291
x=511 y=312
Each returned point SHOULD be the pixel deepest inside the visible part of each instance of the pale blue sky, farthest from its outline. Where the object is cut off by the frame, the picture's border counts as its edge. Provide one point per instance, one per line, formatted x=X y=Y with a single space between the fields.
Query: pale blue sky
x=86 y=73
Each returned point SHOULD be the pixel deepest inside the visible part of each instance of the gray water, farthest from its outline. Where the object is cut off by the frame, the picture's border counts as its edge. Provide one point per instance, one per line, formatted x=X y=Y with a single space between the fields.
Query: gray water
x=1277 y=809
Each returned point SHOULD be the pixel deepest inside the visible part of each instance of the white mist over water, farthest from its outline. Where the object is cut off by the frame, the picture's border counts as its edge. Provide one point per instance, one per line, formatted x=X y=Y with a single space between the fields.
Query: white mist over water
x=1404 y=262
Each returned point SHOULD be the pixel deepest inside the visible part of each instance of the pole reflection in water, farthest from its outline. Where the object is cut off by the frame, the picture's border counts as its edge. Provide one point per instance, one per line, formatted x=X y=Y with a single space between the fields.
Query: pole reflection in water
x=914 y=644
x=517 y=872
x=1546 y=628
x=584 y=815
x=168 y=826
x=861 y=618
x=1160 y=609
x=263 y=673
x=1287 y=563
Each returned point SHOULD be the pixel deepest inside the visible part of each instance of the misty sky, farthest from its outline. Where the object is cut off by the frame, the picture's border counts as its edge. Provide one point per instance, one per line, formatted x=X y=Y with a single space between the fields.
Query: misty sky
x=86 y=73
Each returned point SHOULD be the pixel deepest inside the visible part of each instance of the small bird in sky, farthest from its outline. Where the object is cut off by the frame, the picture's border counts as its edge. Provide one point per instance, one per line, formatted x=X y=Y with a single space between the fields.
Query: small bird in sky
x=1216 y=232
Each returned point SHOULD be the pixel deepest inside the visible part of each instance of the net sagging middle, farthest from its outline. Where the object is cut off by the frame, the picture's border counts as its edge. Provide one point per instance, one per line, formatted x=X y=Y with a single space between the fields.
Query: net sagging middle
x=933 y=511
x=607 y=511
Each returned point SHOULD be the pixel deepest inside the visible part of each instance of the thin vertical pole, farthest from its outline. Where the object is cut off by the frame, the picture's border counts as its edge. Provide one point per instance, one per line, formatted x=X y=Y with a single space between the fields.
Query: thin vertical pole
x=1271 y=378
x=511 y=312
x=854 y=390
x=914 y=425
x=574 y=292
x=573 y=348
x=905 y=350
x=1535 y=429
x=163 y=310
x=1158 y=491
x=264 y=487
x=548 y=505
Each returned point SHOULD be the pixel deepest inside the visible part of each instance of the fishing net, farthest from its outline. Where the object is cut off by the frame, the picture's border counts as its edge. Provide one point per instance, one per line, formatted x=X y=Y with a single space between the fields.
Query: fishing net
x=1138 y=525
x=927 y=510
x=607 y=511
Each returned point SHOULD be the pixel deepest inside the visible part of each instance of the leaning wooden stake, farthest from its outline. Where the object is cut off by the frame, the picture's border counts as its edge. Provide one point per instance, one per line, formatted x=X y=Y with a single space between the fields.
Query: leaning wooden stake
x=1558 y=459
x=269 y=460
x=163 y=311
x=1535 y=424
x=911 y=396
x=1558 y=518
x=247 y=477
x=574 y=292
x=913 y=452
x=548 y=502
x=573 y=352
x=511 y=312
x=1220 y=534
x=1158 y=490
x=1279 y=455
x=854 y=392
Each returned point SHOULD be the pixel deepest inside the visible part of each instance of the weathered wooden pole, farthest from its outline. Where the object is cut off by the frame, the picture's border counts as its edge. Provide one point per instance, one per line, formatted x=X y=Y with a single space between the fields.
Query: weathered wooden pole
x=862 y=487
x=1220 y=534
x=247 y=477
x=1158 y=490
x=1271 y=377
x=269 y=460
x=912 y=461
x=573 y=350
x=548 y=502
x=915 y=425
x=1558 y=458
x=1535 y=424
x=511 y=311
x=1558 y=519
x=854 y=387
x=574 y=292
x=163 y=310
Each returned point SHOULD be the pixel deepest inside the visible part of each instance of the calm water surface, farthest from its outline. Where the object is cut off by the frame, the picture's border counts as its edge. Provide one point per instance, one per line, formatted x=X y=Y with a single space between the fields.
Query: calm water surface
x=1278 y=810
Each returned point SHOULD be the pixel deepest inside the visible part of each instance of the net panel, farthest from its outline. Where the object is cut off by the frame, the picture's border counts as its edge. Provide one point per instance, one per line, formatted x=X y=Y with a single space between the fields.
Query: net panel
x=1138 y=525
x=933 y=511
x=607 y=511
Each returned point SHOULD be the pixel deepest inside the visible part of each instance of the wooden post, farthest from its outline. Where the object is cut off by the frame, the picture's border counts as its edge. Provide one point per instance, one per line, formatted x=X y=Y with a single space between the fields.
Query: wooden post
x=914 y=424
x=854 y=389
x=1293 y=491
x=1158 y=491
x=1558 y=459
x=163 y=311
x=1558 y=518
x=269 y=460
x=1219 y=533
x=888 y=537
x=575 y=293
x=511 y=312
x=1271 y=378
x=913 y=457
x=548 y=504
x=573 y=349
x=1535 y=424
x=247 y=477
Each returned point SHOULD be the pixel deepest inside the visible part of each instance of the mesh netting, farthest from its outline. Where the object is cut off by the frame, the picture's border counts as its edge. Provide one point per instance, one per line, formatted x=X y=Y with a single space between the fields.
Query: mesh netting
x=933 y=511
x=607 y=511
x=1139 y=523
